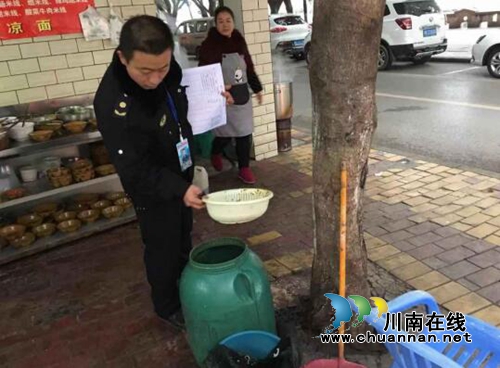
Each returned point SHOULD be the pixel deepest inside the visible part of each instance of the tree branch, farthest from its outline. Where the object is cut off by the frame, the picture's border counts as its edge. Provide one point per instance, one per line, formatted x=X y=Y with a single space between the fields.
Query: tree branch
x=170 y=6
x=201 y=6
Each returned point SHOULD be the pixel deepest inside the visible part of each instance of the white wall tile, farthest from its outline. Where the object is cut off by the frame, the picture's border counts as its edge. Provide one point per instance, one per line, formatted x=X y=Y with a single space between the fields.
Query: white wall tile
x=32 y=94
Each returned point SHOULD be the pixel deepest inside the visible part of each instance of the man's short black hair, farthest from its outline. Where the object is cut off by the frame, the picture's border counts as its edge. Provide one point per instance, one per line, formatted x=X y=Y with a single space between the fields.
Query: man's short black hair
x=223 y=9
x=146 y=34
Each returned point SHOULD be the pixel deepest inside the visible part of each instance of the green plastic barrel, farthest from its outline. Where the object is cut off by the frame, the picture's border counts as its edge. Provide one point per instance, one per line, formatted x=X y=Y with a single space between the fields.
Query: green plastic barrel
x=224 y=289
x=203 y=144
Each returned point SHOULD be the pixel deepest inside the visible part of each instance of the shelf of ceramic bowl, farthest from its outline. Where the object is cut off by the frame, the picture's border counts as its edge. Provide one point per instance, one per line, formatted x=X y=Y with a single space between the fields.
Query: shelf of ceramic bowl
x=17 y=148
x=42 y=189
x=10 y=254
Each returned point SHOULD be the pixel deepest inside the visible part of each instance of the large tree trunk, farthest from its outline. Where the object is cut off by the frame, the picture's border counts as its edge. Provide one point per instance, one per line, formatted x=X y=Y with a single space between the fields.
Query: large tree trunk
x=168 y=10
x=212 y=5
x=343 y=72
x=289 y=7
x=275 y=5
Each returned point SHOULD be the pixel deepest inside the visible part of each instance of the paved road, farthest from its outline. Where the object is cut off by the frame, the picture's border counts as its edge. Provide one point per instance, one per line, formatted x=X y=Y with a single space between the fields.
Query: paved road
x=449 y=112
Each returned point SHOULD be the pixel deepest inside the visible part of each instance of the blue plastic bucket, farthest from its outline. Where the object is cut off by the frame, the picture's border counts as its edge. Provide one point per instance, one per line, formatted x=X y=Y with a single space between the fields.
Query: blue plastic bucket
x=256 y=344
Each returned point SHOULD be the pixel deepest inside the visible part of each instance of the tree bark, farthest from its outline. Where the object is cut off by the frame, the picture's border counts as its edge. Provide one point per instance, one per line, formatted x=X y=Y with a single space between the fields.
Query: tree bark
x=164 y=5
x=275 y=5
x=170 y=6
x=345 y=44
x=289 y=6
x=212 y=5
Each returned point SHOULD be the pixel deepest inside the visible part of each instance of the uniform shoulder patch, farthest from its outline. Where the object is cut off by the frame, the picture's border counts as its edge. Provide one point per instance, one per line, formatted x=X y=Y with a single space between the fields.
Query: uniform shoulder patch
x=122 y=106
x=163 y=120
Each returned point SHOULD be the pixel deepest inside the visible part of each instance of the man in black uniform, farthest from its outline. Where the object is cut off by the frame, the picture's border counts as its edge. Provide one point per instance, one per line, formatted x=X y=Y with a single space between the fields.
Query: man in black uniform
x=141 y=110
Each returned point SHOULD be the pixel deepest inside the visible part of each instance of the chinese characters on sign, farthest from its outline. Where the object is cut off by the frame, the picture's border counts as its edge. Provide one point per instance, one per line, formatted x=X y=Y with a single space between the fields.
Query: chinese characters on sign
x=15 y=28
x=416 y=322
x=35 y=18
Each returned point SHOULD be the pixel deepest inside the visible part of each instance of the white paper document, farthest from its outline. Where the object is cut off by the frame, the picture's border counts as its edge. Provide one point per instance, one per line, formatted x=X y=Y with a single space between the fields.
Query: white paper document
x=207 y=107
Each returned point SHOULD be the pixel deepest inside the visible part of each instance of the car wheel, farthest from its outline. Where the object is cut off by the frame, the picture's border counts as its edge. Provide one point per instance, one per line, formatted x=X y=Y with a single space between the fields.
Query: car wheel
x=307 y=49
x=493 y=62
x=384 y=58
x=422 y=61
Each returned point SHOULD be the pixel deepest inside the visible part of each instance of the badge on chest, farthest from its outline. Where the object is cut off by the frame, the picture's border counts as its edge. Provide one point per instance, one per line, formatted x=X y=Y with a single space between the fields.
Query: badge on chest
x=183 y=150
x=184 y=153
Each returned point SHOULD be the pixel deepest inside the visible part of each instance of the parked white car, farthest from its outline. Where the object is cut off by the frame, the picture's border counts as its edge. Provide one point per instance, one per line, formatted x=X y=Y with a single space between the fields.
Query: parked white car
x=288 y=32
x=486 y=52
x=413 y=30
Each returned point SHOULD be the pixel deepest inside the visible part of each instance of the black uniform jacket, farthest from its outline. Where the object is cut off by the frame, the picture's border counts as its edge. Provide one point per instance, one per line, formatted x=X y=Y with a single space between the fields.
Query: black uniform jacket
x=141 y=134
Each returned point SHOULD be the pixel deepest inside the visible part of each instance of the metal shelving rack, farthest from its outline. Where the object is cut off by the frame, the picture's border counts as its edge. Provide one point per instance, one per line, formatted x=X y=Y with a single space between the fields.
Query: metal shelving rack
x=18 y=148
x=41 y=190
x=10 y=254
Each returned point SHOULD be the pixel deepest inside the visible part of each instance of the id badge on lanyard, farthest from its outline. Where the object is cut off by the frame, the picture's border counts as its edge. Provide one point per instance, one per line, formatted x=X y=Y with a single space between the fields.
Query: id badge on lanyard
x=183 y=150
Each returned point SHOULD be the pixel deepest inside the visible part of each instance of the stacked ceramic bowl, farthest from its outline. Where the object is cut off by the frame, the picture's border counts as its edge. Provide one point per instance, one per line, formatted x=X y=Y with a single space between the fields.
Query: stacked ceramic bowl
x=60 y=177
x=82 y=170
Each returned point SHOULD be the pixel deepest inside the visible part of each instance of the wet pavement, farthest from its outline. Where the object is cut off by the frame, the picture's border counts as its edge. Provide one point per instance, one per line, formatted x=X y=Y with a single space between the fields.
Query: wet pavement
x=445 y=112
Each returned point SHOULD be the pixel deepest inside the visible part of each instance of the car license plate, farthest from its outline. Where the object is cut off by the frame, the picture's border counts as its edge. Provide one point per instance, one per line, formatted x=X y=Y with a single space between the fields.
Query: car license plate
x=298 y=43
x=429 y=32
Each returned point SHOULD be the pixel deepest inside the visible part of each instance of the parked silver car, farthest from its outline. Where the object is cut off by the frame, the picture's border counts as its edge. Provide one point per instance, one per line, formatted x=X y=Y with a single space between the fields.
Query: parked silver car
x=192 y=33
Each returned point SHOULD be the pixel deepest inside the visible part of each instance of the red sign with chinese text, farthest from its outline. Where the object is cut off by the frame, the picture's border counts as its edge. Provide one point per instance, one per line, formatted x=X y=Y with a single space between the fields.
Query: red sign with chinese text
x=36 y=18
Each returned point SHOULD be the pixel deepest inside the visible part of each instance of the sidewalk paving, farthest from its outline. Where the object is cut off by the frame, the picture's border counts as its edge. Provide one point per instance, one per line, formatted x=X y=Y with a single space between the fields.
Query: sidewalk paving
x=434 y=227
